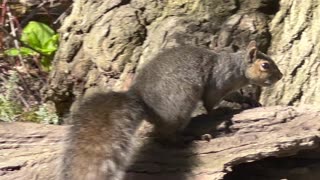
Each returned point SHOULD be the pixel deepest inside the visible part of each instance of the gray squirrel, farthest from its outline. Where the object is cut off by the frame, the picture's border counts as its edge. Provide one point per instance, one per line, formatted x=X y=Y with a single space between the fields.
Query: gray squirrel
x=165 y=92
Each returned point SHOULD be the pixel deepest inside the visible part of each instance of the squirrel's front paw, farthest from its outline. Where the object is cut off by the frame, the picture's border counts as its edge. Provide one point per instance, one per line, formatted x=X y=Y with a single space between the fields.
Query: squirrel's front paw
x=251 y=103
x=206 y=137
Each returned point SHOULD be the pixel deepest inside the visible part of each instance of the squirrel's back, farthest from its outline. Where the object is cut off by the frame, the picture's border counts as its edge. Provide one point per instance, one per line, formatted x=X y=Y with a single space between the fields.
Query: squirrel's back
x=173 y=82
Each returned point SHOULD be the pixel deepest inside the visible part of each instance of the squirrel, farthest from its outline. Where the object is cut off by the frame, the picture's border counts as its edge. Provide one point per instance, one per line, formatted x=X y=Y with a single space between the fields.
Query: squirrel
x=165 y=92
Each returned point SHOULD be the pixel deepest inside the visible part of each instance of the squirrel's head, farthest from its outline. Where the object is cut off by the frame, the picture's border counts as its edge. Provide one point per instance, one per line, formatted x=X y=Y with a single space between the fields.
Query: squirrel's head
x=261 y=69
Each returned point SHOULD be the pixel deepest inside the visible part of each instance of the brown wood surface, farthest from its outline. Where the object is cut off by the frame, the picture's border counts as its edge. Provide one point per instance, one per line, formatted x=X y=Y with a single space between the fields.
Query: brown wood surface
x=31 y=151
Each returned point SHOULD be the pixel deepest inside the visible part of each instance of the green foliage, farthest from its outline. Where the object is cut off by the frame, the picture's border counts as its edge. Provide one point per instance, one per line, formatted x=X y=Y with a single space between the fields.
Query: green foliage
x=29 y=116
x=22 y=51
x=40 y=114
x=46 y=116
x=11 y=110
x=41 y=38
x=8 y=108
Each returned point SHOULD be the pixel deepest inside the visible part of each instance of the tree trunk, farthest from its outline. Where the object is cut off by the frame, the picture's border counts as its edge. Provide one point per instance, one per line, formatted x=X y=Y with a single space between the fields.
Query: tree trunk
x=104 y=43
x=261 y=144
x=295 y=46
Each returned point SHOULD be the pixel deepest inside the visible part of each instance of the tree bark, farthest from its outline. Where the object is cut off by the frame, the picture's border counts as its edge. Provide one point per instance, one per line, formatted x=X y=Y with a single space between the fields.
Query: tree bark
x=104 y=43
x=295 y=47
x=261 y=143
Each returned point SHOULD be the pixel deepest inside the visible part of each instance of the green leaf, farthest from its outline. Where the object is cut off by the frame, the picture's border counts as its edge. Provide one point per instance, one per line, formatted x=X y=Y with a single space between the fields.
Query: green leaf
x=41 y=38
x=22 y=51
x=12 y=52
x=36 y=35
x=51 y=45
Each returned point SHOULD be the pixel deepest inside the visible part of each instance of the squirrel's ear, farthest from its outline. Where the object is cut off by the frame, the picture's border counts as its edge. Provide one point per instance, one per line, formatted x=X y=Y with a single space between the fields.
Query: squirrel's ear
x=252 y=44
x=252 y=51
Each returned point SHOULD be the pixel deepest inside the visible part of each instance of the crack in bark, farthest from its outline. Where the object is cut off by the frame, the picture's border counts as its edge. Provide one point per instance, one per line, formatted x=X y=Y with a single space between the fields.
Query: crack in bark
x=296 y=98
x=121 y=3
x=11 y=168
x=225 y=149
x=297 y=35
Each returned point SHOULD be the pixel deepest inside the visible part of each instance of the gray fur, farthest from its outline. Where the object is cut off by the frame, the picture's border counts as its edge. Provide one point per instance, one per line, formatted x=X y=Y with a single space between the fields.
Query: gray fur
x=100 y=142
x=166 y=92
x=188 y=75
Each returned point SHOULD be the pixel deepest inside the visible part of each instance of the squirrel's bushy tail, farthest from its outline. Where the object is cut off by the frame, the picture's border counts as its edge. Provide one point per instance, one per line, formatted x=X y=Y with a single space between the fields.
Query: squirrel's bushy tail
x=100 y=142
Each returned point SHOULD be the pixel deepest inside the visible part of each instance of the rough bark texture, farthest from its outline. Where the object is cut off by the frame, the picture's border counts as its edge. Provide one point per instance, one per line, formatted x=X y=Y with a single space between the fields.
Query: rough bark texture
x=295 y=47
x=105 y=42
x=262 y=143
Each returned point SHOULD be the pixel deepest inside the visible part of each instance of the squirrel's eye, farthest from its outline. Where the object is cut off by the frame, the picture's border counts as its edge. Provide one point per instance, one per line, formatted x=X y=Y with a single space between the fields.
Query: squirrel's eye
x=265 y=66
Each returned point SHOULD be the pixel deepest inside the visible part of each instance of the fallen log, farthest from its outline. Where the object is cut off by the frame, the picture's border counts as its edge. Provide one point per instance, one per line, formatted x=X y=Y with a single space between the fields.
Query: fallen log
x=262 y=143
